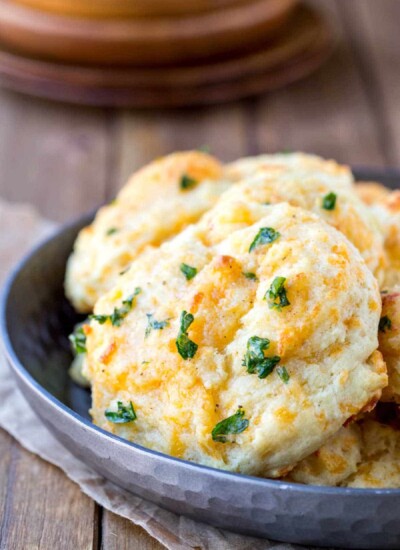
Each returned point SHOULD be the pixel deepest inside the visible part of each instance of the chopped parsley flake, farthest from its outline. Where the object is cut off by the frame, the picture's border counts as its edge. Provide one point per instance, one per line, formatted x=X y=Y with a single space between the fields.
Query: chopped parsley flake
x=255 y=360
x=188 y=271
x=152 y=324
x=111 y=231
x=123 y=415
x=125 y=270
x=234 y=424
x=204 y=149
x=385 y=324
x=276 y=294
x=283 y=374
x=78 y=340
x=251 y=276
x=329 y=201
x=265 y=235
x=187 y=182
x=186 y=348
x=119 y=313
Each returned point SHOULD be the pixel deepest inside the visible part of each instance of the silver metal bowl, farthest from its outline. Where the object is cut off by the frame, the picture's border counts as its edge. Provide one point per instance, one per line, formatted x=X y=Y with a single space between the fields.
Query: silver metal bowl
x=35 y=322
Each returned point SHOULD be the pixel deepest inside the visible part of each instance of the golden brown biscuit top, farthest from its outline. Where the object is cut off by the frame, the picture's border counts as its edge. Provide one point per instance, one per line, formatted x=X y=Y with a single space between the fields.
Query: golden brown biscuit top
x=284 y=277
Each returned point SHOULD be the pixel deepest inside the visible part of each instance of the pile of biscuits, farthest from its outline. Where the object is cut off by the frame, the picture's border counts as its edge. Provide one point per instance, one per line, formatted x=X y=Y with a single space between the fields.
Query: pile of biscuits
x=246 y=316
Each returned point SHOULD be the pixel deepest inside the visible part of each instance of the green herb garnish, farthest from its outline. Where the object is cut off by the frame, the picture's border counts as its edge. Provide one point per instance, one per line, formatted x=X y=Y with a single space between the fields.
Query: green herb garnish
x=283 y=374
x=152 y=324
x=251 y=276
x=384 y=324
x=111 y=231
x=329 y=201
x=186 y=348
x=265 y=235
x=204 y=149
x=188 y=271
x=125 y=270
x=187 y=182
x=255 y=360
x=119 y=313
x=276 y=294
x=234 y=424
x=124 y=414
x=78 y=340
x=100 y=318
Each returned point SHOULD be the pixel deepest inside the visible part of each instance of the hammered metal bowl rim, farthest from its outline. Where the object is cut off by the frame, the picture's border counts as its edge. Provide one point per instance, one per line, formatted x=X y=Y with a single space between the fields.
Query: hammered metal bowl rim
x=20 y=370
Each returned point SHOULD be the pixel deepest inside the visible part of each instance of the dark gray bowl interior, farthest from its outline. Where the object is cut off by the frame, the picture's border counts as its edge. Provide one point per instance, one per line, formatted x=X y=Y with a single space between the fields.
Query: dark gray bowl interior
x=39 y=325
x=36 y=321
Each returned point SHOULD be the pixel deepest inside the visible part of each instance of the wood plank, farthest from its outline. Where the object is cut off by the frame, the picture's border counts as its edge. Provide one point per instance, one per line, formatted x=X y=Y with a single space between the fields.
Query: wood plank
x=328 y=113
x=373 y=27
x=52 y=155
x=44 y=509
x=121 y=534
x=143 y=136
x=6 y=451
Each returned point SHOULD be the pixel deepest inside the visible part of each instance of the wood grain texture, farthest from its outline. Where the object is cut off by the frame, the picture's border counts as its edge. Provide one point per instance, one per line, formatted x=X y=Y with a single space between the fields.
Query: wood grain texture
x=52 y=155
x=120 y=534
x=144 y=136
x=373 y=31
x=328 y=114
x=6 y=452
x=43 y=508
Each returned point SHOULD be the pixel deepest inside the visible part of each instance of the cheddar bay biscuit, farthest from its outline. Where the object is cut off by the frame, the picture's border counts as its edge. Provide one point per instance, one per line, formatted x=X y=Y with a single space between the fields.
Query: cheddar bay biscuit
x=157 y=202
x=334 y=462
x=329 y=172
x=372 y=192
x=365 y=454
x=244 y=347
x=385 y=205
x=164 y=197
x=380 y=464
x=389 y=341
x=340 y=207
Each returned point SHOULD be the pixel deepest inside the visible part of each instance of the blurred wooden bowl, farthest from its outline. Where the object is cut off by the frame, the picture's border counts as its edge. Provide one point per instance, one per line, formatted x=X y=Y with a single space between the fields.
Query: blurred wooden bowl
x=95 y=94
x=142 y=42
x=126 y=8
x=301 y=49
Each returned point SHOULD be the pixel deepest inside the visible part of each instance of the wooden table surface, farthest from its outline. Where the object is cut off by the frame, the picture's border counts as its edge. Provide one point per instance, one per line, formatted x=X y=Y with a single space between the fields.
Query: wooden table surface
x=66 y=160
